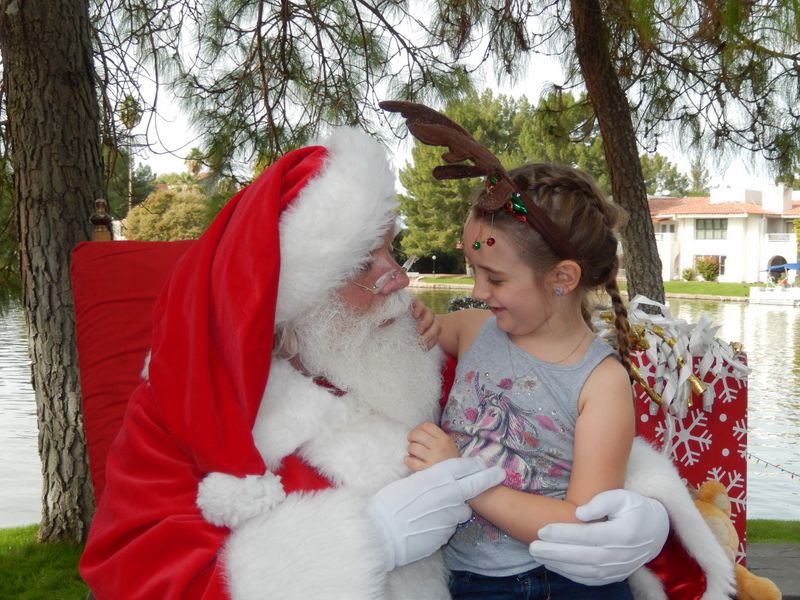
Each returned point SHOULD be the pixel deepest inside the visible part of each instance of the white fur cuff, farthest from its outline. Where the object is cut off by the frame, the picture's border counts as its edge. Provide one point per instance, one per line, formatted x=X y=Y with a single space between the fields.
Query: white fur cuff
x=227 y=501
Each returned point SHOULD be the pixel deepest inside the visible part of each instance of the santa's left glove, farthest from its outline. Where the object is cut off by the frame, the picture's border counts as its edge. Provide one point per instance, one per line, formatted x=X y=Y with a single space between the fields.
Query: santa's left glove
x=623 y=531
x=227 y=501
x=418 y=514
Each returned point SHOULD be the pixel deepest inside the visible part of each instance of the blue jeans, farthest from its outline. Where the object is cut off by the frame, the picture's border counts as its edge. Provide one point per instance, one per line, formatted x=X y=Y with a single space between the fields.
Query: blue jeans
x=537 y=584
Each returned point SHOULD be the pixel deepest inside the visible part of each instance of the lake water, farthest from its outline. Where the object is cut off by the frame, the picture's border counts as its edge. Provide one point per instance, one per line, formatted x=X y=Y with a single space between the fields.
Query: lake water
x=20 y=469
x=770 y=334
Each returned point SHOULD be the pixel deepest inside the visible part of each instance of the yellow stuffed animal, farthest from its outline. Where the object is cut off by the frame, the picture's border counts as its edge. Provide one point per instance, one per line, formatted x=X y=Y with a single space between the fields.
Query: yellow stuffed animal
x=711 y=499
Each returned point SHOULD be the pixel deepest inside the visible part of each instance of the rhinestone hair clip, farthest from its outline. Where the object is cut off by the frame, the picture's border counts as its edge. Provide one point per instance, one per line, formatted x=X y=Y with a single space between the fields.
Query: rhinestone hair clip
x=434 y=129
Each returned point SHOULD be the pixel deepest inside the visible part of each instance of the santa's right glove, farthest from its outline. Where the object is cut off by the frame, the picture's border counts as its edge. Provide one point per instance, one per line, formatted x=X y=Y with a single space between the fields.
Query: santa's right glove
x=607 y=550
x=418 y=514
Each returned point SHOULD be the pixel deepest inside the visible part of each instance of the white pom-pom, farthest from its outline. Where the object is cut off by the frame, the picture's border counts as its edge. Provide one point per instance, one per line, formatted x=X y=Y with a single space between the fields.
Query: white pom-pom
x=227 y=501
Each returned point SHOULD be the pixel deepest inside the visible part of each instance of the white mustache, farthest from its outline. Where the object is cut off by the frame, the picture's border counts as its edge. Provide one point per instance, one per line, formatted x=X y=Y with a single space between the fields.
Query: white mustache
x=396 y=305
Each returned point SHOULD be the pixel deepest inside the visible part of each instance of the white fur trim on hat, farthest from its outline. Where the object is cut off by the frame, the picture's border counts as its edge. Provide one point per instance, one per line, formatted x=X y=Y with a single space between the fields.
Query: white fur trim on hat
x=337 y=220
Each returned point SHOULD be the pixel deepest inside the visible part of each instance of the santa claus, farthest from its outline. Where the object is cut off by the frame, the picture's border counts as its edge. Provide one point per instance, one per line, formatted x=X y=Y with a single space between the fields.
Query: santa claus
x=262 y=456
x=239 y=476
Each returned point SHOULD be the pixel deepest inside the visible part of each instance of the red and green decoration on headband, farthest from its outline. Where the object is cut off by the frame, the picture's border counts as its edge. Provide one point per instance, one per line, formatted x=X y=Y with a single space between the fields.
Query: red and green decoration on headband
x=435 y=129
x=513 y=206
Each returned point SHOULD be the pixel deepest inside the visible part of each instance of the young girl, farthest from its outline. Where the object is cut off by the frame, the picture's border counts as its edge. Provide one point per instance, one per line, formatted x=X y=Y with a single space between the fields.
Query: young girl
x=535 y=390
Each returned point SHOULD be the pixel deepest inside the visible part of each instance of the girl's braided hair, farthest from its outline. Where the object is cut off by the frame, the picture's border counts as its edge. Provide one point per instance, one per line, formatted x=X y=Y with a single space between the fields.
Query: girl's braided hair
x=574 y=204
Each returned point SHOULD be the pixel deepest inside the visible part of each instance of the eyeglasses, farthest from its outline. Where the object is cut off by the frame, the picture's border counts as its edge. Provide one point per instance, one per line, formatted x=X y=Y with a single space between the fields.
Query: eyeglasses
x=384 y=280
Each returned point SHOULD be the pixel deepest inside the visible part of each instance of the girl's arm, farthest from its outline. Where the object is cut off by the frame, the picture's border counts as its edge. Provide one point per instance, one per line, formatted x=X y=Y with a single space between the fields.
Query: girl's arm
x=459 y=329
x=603 y=437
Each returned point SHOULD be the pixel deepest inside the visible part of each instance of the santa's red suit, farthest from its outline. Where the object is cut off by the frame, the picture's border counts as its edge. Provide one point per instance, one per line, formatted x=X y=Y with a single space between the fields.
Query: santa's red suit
x=237 y=477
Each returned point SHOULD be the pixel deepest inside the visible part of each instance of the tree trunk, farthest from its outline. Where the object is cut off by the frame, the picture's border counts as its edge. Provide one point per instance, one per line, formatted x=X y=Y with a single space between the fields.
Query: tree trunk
x=642 y=263
x=54 y=125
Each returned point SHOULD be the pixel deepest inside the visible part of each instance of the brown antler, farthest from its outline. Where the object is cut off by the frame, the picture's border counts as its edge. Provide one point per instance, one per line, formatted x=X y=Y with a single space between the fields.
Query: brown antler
x=435 y=129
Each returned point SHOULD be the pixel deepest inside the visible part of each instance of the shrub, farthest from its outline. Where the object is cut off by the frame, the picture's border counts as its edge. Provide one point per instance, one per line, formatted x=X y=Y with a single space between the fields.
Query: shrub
x=168 y=215
x=708 y=268
x=689 y=274
x=462 y=302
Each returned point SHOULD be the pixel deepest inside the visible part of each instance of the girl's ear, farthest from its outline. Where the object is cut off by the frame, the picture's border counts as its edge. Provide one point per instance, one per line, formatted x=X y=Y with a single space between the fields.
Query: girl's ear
x=564 y=277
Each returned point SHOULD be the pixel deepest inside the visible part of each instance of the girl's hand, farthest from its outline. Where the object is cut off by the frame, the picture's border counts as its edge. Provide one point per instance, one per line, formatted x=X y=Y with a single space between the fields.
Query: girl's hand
x=428 y=444
x=428 y=326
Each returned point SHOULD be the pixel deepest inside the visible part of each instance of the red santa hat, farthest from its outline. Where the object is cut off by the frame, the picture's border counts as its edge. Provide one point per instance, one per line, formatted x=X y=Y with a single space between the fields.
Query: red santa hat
x=304 y=227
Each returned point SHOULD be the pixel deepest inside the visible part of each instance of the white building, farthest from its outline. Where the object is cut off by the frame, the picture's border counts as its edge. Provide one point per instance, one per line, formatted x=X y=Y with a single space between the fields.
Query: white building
x=746 y=230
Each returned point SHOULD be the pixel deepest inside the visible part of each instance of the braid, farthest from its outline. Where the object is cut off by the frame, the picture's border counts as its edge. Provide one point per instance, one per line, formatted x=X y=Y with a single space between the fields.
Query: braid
x=575 y=203
x=622 y=325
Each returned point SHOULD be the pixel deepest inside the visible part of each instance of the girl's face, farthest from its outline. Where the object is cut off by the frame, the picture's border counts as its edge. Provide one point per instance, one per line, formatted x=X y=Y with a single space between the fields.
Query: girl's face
x=504 y=281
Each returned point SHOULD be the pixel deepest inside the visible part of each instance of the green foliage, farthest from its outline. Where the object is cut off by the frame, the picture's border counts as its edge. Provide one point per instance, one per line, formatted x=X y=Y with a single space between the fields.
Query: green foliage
x=700 y=177
x=265 y=80
x=31 y=571
x=796 y=225
x=169 y=215
x=661 y=177
x=130 y=112
x=194 y=161
x=708 y=267
x=787 y=165
x=689 y=274
x=116 y=177
x=563 y=129
x=179 y=181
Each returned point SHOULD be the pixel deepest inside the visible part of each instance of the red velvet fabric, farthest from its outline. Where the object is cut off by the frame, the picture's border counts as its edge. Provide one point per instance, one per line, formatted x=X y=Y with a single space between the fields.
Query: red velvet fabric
x=680 y=575
x=211 y=342
x=114 y=287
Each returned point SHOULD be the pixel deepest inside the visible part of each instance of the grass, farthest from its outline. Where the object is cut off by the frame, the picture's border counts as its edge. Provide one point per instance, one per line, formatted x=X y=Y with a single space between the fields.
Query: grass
x=32 y=571
x=707 y=288
x=694 y=288
x=773 y=532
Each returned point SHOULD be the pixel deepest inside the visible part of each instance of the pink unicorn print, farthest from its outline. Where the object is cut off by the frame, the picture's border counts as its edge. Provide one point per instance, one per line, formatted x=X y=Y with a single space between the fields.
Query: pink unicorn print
x=500 y=433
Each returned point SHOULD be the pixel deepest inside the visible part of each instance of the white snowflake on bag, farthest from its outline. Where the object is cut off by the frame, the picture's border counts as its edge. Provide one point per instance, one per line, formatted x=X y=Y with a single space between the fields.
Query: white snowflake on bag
x=689 y=440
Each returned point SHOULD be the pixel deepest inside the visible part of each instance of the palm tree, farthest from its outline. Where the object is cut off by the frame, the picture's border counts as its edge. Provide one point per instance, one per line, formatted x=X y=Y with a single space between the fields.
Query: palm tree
x=130 y=113
x=194 y=161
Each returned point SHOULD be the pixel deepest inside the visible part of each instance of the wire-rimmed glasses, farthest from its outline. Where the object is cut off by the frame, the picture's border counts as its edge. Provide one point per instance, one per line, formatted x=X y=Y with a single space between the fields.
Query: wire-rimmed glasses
x=384 y=280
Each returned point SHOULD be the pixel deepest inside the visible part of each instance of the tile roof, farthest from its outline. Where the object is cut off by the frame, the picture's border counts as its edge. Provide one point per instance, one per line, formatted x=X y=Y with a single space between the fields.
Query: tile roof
x=663 y=207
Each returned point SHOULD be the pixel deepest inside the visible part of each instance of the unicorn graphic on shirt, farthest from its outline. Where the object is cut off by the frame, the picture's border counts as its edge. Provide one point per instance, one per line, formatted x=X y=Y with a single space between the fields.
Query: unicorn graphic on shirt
x=500 y=433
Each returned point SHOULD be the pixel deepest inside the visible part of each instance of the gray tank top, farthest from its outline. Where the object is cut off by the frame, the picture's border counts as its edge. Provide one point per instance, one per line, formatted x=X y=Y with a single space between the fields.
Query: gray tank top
x=518 y=412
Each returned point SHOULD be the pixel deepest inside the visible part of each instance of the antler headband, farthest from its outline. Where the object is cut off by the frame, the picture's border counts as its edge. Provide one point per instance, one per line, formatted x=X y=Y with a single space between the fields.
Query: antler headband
x=434 y=129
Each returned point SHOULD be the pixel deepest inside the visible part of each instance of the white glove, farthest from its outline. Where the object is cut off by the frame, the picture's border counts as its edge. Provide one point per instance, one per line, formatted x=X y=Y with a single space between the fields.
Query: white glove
x=606 y=551
x=418 y=514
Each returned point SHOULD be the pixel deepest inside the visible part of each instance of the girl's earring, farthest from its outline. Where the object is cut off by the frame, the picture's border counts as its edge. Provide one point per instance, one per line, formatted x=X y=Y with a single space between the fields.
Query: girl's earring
x=559 y=291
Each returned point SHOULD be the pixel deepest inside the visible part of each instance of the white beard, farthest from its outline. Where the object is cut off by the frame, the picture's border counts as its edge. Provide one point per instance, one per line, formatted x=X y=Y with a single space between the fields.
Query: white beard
x=324 y=542
x=383 y=368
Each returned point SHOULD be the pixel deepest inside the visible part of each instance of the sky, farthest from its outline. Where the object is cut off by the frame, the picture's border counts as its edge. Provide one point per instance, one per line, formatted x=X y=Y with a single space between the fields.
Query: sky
x=175 y=137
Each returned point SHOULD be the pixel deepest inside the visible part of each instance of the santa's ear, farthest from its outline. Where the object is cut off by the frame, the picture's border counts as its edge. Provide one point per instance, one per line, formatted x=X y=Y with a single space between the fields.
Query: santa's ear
x=564 y=277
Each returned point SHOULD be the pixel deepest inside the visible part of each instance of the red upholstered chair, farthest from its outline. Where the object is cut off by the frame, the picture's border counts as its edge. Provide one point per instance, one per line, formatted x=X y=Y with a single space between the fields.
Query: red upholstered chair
x=114 y=286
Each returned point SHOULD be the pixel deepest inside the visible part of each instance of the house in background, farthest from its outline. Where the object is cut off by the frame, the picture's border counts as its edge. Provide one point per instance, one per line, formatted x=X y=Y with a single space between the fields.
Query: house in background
x=746 y=231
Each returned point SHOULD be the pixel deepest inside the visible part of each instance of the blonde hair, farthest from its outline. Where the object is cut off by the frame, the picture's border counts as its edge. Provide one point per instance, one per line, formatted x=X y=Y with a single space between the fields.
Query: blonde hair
x=589 y=221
